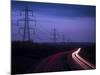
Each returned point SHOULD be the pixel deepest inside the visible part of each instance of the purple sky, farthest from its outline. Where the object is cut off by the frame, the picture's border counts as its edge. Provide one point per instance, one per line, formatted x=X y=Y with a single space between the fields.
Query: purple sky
x=75 y=22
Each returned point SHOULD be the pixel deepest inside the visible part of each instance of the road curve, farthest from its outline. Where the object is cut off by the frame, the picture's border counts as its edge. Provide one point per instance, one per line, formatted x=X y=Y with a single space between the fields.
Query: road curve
x=82 y=62
x=67 y=60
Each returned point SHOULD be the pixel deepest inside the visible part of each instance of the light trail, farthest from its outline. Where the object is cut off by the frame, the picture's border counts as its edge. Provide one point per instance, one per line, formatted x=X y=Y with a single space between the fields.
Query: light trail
x=46 y=64
x=82 y=62
x=49 y=63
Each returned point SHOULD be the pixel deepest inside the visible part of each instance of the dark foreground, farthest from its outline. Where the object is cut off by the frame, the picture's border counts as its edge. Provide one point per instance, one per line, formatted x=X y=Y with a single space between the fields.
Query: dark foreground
x=28 y=57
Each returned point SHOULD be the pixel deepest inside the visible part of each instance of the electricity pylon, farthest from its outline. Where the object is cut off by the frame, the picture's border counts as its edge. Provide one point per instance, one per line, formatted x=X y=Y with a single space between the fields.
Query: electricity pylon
x=54 y=35
x=63 y=39
x=26 y=28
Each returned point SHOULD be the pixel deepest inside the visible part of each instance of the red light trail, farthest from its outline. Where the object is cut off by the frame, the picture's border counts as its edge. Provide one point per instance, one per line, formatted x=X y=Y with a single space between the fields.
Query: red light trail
x=50 y=63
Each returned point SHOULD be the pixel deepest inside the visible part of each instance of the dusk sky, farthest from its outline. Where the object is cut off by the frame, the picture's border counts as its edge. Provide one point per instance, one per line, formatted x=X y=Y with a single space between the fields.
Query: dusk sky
x=76 y=22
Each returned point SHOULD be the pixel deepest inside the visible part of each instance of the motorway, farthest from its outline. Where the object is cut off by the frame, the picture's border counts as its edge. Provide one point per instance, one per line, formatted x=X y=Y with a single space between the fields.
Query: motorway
x=64 y=61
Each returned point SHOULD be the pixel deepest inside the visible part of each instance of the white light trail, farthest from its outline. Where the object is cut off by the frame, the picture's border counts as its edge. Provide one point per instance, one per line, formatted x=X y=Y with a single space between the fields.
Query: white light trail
x=82 y=62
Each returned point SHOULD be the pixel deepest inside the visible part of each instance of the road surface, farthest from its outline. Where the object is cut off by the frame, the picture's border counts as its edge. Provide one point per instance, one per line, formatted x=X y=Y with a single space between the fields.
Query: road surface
x=64 y=61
